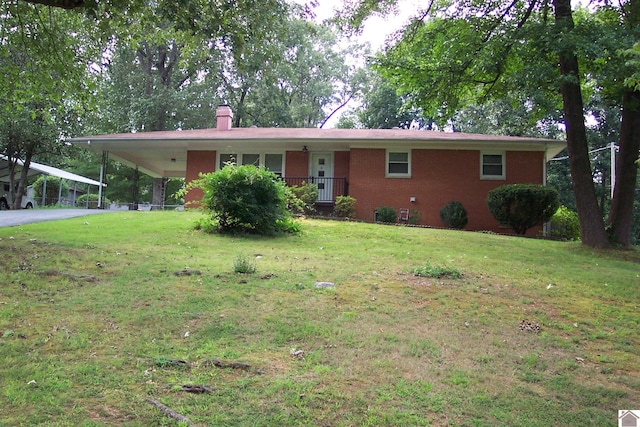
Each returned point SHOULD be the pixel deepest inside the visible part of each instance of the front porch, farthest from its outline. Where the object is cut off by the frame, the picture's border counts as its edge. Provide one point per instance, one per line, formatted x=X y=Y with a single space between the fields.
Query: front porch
x=328 y=188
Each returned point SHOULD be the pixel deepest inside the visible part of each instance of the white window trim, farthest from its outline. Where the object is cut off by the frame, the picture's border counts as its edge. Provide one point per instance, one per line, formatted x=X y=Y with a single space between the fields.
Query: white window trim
x=504 y=165
x=386 y=163
x=261 y=162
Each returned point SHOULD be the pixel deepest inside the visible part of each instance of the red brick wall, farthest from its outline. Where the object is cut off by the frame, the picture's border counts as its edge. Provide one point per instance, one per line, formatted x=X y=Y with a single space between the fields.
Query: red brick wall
x=197 y=161
x=297 y=164
x=438 y=177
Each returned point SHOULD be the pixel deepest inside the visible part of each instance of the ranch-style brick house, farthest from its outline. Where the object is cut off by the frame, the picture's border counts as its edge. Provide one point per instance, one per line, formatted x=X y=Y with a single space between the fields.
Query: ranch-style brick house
x=405 y=169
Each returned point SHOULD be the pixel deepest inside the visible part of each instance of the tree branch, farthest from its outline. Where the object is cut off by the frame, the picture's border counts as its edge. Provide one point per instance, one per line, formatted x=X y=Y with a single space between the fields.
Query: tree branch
x=64 y=4
x=169 y=412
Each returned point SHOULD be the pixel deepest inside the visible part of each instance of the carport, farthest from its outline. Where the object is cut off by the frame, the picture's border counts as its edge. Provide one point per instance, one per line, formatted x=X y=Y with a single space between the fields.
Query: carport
x=38 y=168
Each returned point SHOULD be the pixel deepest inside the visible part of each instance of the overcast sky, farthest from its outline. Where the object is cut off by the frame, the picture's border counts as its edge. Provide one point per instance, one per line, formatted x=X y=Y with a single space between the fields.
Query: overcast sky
x=376 y=28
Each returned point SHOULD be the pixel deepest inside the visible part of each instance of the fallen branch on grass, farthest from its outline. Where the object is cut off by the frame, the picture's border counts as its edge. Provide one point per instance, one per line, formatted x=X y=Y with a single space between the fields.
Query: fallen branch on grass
x=169 y=412
x=187 y=272
x=233 y=365
x=75 y=277
x=198 y=389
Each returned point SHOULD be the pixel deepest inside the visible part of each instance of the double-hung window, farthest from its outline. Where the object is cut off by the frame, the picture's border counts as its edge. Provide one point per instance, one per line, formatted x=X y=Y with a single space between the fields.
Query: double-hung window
x=398 y=163
x=271 y=161
x=492 y=165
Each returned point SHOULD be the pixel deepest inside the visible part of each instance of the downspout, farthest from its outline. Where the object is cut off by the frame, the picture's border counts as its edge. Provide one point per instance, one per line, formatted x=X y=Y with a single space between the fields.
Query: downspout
x=544 y=164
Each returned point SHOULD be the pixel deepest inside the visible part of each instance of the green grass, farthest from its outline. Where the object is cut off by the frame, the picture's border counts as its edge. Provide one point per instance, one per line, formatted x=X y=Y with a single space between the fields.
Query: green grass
x=101 y=312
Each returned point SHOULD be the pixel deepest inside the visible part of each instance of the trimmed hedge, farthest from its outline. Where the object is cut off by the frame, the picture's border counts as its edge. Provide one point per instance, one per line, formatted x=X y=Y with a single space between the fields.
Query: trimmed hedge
x=386 y=214
x=522 y=206
x=454 y=215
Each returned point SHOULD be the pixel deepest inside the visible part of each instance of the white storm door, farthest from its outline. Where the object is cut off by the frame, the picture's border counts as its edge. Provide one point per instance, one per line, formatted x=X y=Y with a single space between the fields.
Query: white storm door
x=322 y=175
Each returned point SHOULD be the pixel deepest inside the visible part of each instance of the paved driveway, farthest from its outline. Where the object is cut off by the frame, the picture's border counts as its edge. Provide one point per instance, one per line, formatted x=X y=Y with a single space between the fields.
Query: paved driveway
x=27 y=216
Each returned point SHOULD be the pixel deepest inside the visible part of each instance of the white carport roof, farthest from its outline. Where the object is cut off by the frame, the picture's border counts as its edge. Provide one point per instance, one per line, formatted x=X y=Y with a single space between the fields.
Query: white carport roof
x=37 y=168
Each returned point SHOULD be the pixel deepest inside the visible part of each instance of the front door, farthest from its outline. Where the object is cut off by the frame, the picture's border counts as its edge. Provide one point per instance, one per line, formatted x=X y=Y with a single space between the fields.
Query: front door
x=322 y=175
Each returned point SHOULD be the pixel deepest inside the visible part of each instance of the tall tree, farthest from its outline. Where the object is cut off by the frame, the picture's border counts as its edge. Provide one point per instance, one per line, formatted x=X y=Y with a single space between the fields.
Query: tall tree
x=308 y=75
x=621 y=214
x=44 y=55
x=591 y=222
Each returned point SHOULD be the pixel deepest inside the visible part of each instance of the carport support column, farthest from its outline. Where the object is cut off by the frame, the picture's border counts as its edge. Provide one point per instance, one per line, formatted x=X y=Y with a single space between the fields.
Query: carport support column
x=44 y=190
x=60 y=192
x=134 y=189
x=103 y=167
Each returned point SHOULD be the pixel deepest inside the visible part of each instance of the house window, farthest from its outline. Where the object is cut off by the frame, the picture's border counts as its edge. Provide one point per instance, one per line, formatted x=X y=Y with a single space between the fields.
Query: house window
x=271 y=161
x=492 y=166
x=225 y=159
x=398 y=163
x=251 y=159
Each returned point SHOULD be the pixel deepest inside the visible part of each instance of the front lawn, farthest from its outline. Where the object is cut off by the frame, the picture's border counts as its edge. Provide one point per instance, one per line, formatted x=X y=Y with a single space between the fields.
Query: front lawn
x=103 y=315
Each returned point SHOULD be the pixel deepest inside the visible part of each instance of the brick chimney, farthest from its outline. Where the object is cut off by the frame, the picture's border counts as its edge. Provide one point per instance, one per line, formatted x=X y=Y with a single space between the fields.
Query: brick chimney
x=224 y=117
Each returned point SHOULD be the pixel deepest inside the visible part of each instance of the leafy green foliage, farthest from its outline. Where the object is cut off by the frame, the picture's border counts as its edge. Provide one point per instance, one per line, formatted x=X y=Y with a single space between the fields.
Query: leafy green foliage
x=307 y=195
x=245 y=199
x=415 y=216
x=244 y=265
x=345 y=207
x=53 y=184
x=386 y=214
x=454 y=215
x=565 y=224
x=92 y=203
x=437 y=272
x=522 y=206
x=633 y=61
x=382 y=107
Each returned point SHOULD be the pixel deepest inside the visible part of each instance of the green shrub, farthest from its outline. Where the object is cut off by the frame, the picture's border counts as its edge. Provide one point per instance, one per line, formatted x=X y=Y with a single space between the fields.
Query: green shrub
x=522 y=206
x=244 y=265
x=437 y=272
x=206 y=224
x=415 y=216
x=81 y=201
x=345 y=207
x=454 y=215
x=565 y=224
x=52 y=190
x=307 y=194
x=245 y=199
x=386 y=214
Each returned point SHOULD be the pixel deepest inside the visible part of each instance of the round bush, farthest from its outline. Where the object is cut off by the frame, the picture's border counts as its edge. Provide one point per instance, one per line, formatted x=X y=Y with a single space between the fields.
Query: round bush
x=454 y=215
x=307 y=195
x=246 y=199
x=81 y=201
x=345 y=207
x=522 y=206
x=386 y=214
x=565 y=224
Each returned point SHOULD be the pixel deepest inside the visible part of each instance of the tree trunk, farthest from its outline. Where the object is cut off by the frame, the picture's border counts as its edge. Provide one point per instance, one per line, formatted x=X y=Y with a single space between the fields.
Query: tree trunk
x=621 y=213
x=591 y=221
x=19 y=189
